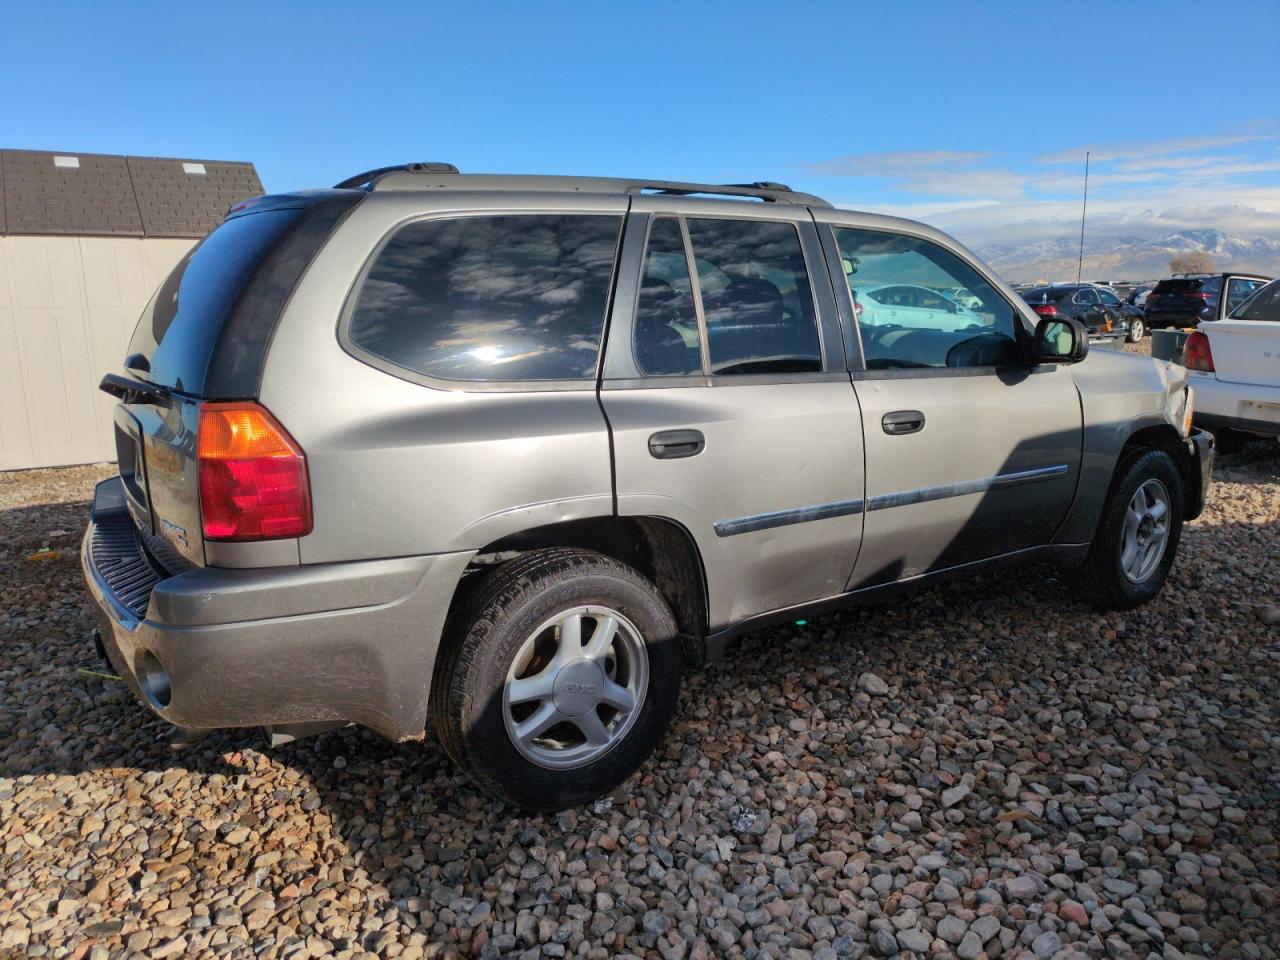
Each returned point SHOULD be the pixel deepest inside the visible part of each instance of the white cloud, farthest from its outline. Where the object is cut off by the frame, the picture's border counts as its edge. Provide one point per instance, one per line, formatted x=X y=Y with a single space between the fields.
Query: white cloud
x=1150 y=148
x=895 y=164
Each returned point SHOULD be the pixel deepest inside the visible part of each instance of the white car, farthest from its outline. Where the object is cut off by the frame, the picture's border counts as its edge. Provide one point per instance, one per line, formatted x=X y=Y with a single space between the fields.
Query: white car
x=963 y=297
x=1234 y=369
x=907 y=305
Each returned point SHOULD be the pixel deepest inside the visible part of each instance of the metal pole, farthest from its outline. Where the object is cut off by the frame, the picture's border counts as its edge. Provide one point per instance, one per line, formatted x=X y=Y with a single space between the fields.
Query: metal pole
x=1084 y=207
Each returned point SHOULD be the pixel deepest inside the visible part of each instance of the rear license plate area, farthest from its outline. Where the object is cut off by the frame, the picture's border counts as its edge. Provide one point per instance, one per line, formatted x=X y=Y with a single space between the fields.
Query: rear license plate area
x=133 y=472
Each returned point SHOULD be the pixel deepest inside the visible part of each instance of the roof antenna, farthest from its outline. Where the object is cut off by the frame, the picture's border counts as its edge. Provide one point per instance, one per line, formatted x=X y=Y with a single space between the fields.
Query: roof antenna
x=1083 y=209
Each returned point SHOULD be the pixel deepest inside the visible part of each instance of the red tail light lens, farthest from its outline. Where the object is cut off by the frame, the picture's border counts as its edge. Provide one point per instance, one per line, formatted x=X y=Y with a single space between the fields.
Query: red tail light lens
x=1045 y=309
x=1199 y=295
x=1196 y=354
x=253 y=476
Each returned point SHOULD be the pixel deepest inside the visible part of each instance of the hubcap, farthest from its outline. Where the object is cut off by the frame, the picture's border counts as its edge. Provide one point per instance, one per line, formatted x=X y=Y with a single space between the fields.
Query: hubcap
x=575 y=687
x=1146 y=531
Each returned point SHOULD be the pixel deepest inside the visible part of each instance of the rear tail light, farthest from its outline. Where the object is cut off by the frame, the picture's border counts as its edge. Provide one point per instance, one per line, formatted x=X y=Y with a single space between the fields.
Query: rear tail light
x=253 y=476
x=1199 y=295
x=1045 y=309
x=1196 y=354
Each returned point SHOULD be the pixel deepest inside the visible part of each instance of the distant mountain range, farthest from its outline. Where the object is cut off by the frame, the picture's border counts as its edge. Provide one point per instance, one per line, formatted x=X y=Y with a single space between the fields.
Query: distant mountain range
x=1129 y=258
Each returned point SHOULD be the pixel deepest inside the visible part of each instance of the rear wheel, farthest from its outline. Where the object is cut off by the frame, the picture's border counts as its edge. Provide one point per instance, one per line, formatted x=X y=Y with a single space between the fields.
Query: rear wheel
x=1138 y=534
x=562 y=673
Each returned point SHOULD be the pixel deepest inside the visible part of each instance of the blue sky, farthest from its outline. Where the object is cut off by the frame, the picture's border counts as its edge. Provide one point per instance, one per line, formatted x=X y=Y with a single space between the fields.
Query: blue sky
x=972 y=116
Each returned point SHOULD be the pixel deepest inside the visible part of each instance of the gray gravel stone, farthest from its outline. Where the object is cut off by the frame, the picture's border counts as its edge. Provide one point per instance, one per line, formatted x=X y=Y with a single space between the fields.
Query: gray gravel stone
x=1047 y=781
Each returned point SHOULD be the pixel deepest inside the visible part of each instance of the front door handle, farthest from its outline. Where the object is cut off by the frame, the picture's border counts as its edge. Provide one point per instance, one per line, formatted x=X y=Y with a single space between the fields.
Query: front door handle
x=674 y=444
x=902 y=421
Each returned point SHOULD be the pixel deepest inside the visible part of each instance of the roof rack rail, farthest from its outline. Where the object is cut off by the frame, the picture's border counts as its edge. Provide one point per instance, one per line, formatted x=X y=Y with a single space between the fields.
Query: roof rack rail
x=409 y=177
x=367 y=178
x=767 y=190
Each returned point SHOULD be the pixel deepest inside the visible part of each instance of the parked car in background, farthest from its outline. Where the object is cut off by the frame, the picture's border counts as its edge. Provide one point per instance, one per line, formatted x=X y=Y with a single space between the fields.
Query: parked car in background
x=494 y=459
x=1138 y=298
x=1099 y=309
x=1234 y=368
x=963 y=297
x=909 y=305
x=1187 y=300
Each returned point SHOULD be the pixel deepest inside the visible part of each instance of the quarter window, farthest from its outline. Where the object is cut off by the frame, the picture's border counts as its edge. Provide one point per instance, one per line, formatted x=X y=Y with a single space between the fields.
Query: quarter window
x=666 y=326
x=756 y=297
x=906 y=319
x=490 y=298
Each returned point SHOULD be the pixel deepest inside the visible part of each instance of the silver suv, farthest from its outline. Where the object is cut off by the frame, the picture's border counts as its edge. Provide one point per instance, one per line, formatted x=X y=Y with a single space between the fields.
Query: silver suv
x=495 y=458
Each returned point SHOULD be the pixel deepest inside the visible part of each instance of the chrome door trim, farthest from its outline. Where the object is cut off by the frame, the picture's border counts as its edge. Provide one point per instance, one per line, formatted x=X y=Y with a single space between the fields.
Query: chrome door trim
x=782 y=518
x=884 y=501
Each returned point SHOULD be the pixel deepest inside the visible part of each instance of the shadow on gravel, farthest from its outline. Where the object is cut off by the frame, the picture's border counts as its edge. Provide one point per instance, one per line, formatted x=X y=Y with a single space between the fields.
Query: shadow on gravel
x=1011 y=668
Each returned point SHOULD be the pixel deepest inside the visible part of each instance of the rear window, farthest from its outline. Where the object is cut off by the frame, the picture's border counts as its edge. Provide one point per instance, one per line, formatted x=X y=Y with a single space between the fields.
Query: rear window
x=490 y=298
x=1186 y=285
x=1263 y=305
x=178 y=329
x=1045 y=295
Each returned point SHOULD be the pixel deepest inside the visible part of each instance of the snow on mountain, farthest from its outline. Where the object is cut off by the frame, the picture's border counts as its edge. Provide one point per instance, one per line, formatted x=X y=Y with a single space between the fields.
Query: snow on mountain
x=1131 y=258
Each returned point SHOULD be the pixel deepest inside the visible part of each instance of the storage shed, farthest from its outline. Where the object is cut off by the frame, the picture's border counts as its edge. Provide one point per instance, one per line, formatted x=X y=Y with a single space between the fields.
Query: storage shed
x=84 y=241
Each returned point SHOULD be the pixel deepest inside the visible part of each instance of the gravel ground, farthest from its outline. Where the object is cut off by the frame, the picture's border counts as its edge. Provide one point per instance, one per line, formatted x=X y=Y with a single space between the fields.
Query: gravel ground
x=990 y=768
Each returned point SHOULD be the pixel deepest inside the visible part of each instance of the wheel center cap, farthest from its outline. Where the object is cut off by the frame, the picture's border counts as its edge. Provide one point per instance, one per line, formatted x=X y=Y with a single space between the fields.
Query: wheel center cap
x=577 y=687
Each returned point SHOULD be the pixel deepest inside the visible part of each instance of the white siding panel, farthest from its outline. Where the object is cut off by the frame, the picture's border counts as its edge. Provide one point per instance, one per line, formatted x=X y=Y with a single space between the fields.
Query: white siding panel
x=68 y=306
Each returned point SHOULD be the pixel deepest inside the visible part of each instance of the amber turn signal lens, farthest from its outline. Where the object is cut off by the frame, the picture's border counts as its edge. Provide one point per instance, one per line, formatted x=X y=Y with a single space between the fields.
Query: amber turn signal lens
x=253 y=476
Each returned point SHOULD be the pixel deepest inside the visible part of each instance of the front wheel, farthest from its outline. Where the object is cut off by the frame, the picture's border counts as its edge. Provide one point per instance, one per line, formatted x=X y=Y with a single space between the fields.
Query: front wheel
x=561 y=674
x=1138 y=534
x=1136 y=330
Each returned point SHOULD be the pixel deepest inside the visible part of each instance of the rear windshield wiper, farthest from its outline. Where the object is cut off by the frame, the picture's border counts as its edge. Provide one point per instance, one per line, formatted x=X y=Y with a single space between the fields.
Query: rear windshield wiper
x=133 y=391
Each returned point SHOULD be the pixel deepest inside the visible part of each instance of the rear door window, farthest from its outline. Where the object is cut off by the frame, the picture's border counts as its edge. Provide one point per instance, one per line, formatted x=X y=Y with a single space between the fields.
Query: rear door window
x=666 y=337
x=490 y=298
x=756 y=299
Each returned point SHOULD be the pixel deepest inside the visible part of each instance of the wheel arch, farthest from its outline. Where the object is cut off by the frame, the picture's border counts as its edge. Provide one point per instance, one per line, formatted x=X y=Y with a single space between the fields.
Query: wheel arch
x=662 y=550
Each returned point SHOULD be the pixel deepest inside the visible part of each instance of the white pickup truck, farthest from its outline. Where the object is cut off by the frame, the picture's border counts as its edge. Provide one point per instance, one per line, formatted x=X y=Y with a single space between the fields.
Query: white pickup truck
x=1234 y=369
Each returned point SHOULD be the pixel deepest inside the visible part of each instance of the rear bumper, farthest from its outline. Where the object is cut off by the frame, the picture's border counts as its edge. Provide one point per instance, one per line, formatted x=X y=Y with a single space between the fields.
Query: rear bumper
x=1251 y=408
x=1199 y=473
x=209 y=648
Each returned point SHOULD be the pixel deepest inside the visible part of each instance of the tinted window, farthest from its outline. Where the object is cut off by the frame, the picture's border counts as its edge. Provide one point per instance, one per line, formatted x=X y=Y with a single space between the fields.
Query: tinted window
x=1264 y=306
x=904 y=323
x=490 y=298
x=666 y=327
x=1086 y=298
x=180 y=326
x=1045 y=295
x=756 y=297
x=1110 y=299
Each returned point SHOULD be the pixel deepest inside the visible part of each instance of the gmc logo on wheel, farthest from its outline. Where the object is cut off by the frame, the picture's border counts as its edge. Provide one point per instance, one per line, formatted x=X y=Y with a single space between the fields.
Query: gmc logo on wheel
x=583 y=688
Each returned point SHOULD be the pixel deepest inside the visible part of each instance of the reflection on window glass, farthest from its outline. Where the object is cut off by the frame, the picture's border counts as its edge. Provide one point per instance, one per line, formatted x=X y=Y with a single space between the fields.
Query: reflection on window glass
x=919 y=305
x=666 y=327
x=490 y=298
x=755 y=296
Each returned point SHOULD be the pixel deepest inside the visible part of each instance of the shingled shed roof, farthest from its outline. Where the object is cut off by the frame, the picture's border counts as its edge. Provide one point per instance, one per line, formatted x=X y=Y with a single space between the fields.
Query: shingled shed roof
x=90 y=194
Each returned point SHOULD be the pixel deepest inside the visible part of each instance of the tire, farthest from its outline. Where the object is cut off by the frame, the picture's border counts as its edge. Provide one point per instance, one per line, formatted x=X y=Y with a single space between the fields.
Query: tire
x=1137 y=330
x=504 y=641
x=1107 y=583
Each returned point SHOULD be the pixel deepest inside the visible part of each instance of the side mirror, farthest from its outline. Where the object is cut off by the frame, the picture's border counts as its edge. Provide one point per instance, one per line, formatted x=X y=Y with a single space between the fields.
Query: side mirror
x=1059 y=340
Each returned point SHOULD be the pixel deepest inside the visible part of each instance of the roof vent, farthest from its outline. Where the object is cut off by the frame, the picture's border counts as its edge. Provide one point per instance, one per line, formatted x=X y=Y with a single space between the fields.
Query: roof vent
x=69 y=163
x=194 y=168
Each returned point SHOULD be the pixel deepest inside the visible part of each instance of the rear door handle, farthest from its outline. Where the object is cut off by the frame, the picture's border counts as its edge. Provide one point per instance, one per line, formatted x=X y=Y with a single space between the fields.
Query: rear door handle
x=902 y=421
x=674 y=444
